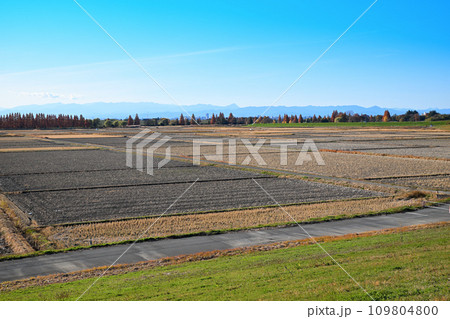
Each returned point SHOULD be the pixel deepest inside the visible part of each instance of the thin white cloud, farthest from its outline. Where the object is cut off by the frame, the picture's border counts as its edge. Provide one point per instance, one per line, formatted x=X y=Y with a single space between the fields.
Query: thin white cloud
x=49 y=95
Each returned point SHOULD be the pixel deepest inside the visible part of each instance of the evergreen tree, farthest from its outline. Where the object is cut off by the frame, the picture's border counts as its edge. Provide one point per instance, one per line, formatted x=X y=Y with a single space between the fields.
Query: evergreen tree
x=334 y=115
x=386 y=116
x=130 y=120
x=231 y=119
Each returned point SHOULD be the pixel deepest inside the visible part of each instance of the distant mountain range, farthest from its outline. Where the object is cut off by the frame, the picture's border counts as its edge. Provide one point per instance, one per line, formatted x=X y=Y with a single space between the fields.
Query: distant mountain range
x=121 y=110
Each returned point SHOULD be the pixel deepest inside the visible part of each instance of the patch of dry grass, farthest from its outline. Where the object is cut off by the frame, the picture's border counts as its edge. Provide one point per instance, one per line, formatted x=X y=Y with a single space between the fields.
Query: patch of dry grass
x=12 y=235
x=114 y=231
x=427 y=182
x=20 y=229
x=75 y=135
x=414 y=194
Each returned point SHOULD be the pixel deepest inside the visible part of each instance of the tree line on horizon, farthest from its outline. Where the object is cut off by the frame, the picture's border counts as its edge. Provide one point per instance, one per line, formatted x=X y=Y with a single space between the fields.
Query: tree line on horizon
x=335 y=117
x=41 y=121
x=49 y=121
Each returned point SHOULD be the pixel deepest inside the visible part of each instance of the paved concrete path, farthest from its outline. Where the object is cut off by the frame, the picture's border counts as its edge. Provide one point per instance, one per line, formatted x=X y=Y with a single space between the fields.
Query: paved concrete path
x=89 y=258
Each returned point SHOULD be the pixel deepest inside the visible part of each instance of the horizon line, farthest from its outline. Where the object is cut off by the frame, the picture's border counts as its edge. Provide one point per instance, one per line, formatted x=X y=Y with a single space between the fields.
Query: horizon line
x=228 y=105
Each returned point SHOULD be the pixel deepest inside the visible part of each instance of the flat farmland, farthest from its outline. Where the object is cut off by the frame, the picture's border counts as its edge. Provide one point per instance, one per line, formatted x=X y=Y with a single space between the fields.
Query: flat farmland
x=318 y=134
x=355 y=146
x=53 y=207
x=113 y=202
x=239 y=149
x=437 y=148
x=119 y=177
x=24 y=142
x=181 y=147
x=441 y=182
x=436 y=152
x=387 y=143
x=117 y=141
x=397 y=142
x=420 y=147
x=434 y=141
x=65 y=161
x=357 y=166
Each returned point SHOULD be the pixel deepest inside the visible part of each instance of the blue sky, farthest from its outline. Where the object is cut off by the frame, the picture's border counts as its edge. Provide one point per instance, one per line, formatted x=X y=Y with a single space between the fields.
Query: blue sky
x=224 y=52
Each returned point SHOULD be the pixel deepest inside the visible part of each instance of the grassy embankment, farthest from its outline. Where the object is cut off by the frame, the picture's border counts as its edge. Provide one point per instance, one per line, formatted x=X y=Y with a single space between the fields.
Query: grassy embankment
x=410 y=265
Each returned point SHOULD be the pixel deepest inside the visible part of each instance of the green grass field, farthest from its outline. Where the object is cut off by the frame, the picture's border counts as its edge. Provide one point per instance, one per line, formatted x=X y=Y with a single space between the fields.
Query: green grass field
x=437 y=124
x=402 y=266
